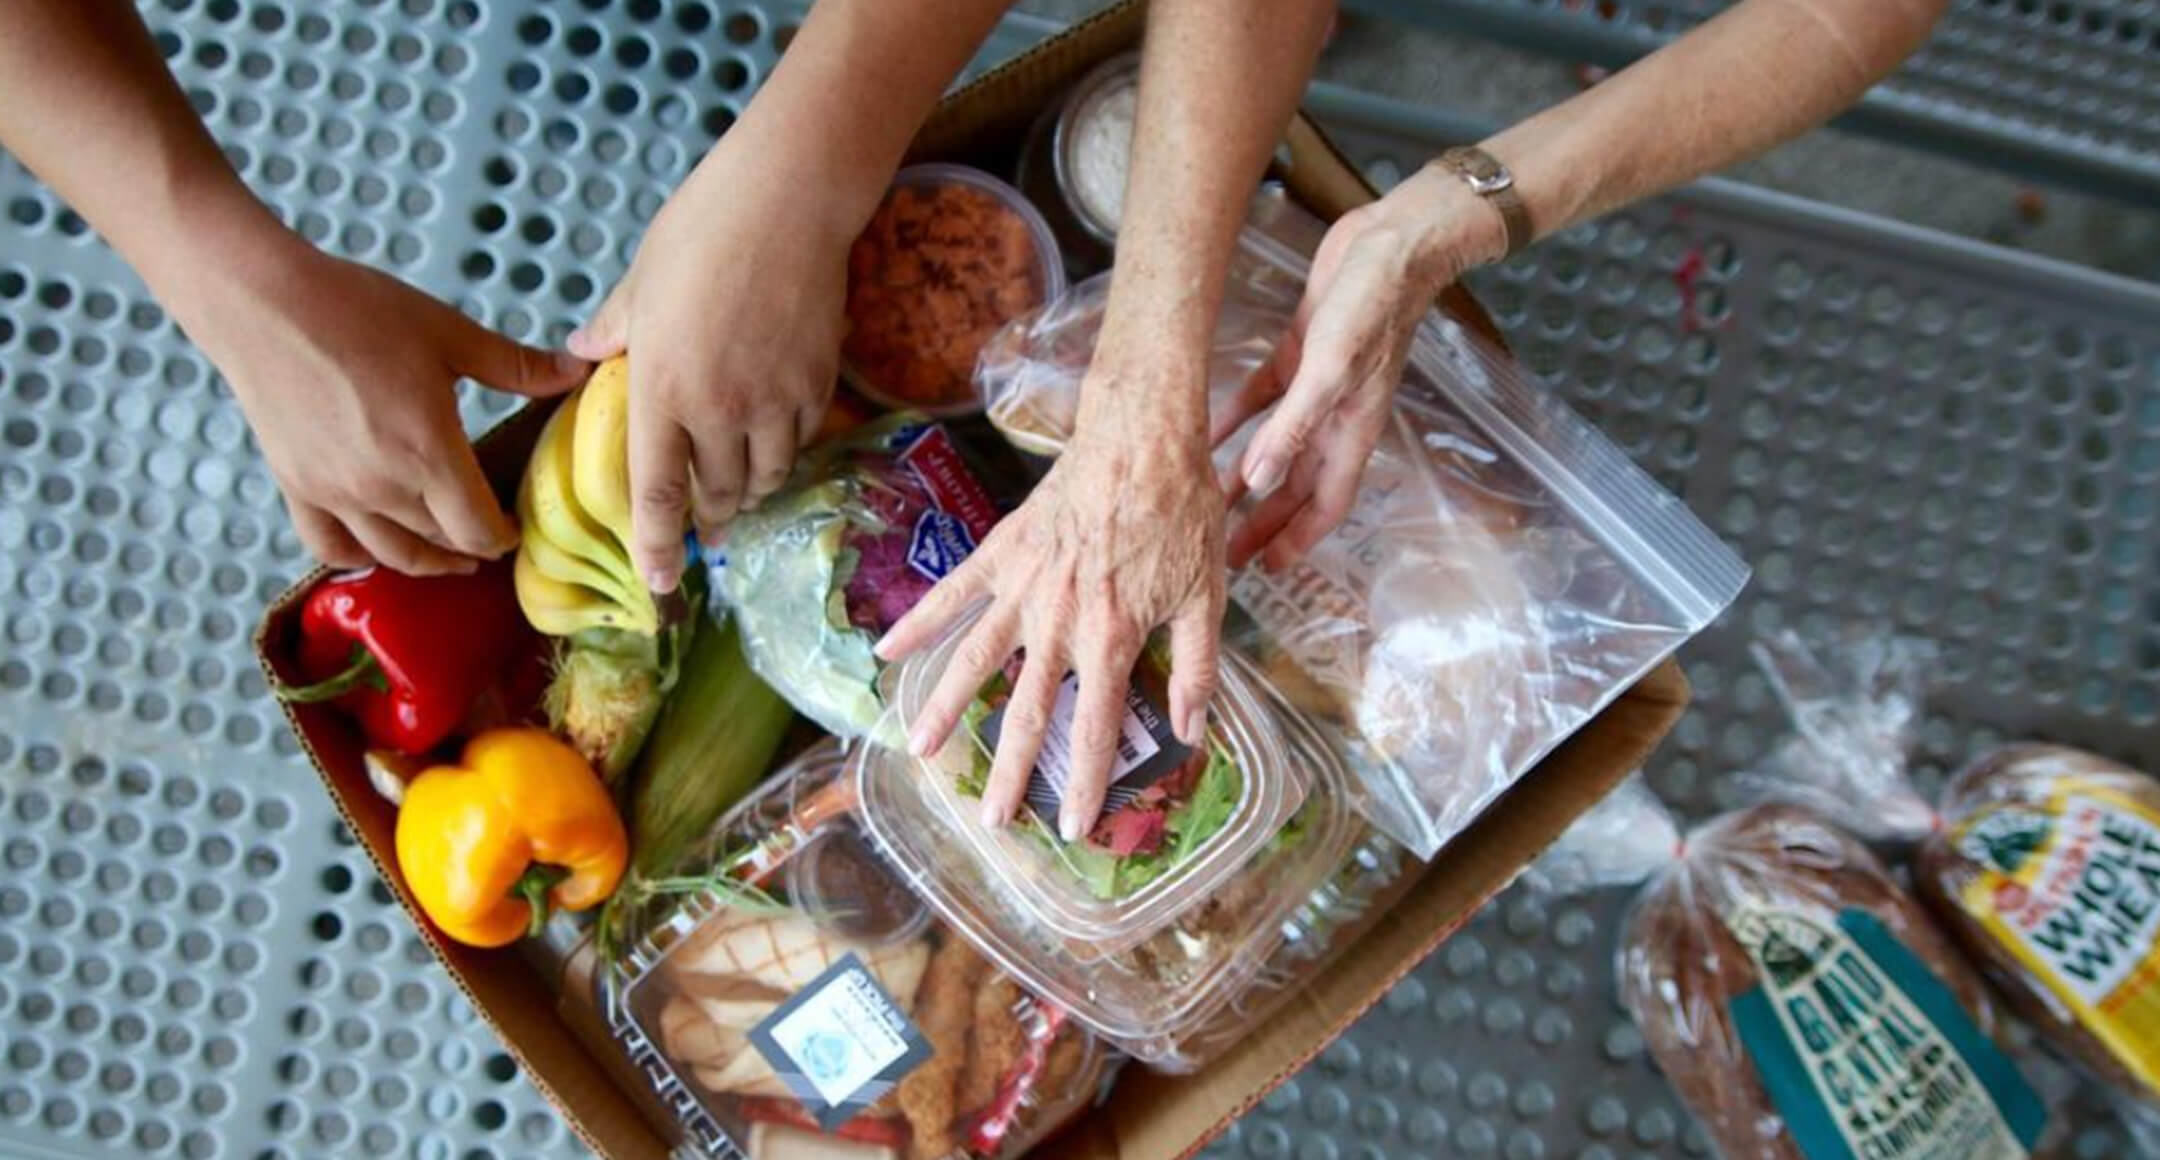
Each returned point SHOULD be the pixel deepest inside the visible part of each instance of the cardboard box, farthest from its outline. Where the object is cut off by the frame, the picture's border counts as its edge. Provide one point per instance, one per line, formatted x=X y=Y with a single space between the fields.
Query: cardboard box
x=1149 y=1116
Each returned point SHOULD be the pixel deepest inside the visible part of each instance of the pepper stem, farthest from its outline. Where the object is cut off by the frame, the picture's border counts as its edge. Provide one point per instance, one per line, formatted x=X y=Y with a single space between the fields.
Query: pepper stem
x=533 y=887
x=364 y=670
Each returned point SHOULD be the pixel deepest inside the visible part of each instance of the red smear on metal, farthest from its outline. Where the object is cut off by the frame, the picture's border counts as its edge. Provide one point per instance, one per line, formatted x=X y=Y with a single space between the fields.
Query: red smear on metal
x=1685 y=275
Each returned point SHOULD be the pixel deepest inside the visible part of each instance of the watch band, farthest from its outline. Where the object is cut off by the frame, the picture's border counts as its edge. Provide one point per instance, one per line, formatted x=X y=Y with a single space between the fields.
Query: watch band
x=1491 y=180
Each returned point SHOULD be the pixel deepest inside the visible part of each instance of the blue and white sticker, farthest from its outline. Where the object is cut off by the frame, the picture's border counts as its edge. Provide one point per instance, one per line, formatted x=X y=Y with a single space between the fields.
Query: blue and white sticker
x=940 y=542
x=840 y=1043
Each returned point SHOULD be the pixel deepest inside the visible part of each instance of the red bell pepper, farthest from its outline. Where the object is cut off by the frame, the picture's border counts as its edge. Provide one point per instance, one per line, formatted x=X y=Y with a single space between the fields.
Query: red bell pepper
x=411 y=657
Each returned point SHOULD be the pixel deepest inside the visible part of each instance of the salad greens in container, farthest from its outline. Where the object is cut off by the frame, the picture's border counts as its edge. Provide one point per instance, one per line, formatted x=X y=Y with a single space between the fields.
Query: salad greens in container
x=1189 y=990
x=1177 y=823
x=789 y=995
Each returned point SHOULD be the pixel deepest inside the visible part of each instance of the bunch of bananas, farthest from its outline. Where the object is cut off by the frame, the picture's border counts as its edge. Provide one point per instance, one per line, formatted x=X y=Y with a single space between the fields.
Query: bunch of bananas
x=618 y=653
x=573 y=565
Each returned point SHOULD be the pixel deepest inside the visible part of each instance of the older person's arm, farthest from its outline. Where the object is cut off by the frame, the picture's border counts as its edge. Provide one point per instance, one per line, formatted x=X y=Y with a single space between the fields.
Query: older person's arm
x=1757 y=74
x=734 y=305
x=1125 y=534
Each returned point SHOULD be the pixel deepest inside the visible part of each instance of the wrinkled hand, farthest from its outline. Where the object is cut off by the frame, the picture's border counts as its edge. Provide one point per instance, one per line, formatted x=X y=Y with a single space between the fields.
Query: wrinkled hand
x=1335 y=371
x=348 y=378
x=734 y=307
x=1124 y=535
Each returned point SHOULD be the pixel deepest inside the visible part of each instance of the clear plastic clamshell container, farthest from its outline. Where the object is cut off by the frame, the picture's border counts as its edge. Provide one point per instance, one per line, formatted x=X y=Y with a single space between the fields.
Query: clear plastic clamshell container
x=796 y=995
x=1177 y=998
x=1177 y=824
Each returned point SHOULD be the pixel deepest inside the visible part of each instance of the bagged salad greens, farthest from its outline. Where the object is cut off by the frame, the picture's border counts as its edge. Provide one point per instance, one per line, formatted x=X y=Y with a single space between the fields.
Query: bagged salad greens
x=792 y=998
x=1506 y=572
x=817 y=573
x=1190 y=989
x=1177 y=821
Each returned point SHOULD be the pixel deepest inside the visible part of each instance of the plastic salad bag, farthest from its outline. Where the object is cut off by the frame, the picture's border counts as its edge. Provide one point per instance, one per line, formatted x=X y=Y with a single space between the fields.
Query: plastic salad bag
x=2043 y=861
x=818 y=572
x=1802 y=1004
x=792 y=995
x=1181 y=994
x=1505 y=573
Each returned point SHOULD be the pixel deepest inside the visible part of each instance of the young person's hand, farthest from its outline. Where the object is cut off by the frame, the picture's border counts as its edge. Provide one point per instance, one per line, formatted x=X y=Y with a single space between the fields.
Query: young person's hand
x=733 y=308
x=348 y=378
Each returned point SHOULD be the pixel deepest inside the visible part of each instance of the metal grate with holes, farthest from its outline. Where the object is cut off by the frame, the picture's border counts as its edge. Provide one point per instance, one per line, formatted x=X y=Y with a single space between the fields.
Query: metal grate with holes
x=2060 y=90
x=195 y=961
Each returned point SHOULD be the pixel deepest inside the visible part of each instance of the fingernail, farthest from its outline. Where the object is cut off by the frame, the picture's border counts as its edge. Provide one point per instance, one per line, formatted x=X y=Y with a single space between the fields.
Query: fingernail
x=1265 y=476
x=568 y=362
x=661 y=581
x=1069 y=826
x=881 y=648
x=578 y=338
x=918 y=742
x=1195 y=725
x=992 y=816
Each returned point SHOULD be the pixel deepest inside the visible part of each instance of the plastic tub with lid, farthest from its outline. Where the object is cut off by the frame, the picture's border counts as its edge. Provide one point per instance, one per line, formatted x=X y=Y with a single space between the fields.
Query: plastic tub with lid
x=1179 y=997
x=1177 y=821
x=951 y=255
x=796 y=990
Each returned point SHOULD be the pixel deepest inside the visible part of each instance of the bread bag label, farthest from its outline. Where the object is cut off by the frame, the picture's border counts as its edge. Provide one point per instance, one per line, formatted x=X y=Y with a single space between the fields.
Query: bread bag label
x=2071 y=889
x=1865 y=1053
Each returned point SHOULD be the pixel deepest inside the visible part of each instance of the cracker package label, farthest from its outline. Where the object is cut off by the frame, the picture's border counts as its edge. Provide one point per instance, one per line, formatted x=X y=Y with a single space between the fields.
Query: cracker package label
x=1865 y=1053
x=2071 y=889
x=840 y=1043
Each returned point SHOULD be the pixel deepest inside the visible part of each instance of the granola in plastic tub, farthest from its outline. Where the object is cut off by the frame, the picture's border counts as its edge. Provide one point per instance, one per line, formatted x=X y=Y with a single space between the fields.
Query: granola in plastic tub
x=1180 y=997
x=793 y=991
x=951 y=255
x=1177 y=821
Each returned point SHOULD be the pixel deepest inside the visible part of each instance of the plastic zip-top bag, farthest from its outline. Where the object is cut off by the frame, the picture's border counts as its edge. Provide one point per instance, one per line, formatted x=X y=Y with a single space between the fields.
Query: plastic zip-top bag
x=789 y=992
x=1505 y=572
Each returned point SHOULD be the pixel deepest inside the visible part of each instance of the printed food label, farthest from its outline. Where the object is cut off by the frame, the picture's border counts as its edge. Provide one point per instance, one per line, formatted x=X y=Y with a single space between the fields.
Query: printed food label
x=2072 y=890
x=929 y=454
x=1866 y=1053
x=840 y=1043
x=1147 y=751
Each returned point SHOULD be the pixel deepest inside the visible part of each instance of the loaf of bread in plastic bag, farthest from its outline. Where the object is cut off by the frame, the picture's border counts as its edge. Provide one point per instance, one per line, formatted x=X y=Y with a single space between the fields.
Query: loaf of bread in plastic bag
x=2047 y=869
x=1804 y=1006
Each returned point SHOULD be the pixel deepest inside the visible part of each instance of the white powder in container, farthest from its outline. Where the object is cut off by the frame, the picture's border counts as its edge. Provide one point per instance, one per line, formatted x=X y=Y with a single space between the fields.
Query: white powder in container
x=1095 y=150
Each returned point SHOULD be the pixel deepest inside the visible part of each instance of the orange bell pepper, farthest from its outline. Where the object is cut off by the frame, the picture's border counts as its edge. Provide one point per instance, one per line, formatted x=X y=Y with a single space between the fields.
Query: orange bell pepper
x=520 y=823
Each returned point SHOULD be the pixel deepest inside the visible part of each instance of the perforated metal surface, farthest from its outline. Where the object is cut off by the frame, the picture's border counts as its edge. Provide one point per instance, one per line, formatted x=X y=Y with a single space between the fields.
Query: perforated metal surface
x=194 y=962
x=2067 y=90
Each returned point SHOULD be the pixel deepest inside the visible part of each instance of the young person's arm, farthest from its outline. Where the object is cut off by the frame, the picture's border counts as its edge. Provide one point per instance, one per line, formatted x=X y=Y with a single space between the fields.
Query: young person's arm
x=732 y=310
x=345 y=374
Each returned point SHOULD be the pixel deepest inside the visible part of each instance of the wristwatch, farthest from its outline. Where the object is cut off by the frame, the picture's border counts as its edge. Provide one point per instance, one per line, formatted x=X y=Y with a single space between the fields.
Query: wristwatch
x=1491 y=180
